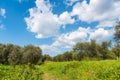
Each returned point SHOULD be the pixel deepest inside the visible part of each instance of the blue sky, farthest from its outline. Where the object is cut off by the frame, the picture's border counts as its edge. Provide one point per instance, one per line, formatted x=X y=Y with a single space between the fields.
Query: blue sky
x=57 y=25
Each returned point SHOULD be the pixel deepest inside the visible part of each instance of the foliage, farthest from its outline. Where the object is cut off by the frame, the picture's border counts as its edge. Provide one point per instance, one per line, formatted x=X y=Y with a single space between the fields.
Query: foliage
x=13 y=54
x=31 y=54
x=117 y=40
x=84 y=70
x=46 y=57
x=74 y=70
x=117 y=33
x=116 y=50
x=88 y=51
x=20 y=72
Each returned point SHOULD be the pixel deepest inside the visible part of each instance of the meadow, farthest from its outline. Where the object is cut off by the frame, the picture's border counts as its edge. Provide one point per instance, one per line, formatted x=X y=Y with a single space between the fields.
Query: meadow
x=73 y=70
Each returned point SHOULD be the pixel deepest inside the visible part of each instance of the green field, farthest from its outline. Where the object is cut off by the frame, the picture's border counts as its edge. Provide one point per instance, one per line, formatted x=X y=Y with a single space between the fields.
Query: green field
x=74 y=70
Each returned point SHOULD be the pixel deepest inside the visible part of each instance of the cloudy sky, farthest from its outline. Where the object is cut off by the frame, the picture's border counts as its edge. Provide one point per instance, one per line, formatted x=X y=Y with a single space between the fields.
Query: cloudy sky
x=57 y=25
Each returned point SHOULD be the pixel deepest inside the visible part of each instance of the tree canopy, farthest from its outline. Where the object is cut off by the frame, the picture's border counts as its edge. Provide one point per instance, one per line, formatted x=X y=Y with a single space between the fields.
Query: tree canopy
x=117 y=33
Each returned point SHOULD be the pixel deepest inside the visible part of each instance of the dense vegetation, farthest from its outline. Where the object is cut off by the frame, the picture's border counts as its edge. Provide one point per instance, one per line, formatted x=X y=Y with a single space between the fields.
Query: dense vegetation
x=14 y=54
x=88 y=51
x=83 y=70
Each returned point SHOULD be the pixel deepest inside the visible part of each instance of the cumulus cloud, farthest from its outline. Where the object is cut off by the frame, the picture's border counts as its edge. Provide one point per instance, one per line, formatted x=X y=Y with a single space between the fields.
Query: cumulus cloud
x=68 y=40
x=49 y=49
x=70 y=2
x=105 y=24
x=101 y=34
x=97 y=10
x=43 y=22
x=2 y=12
x=65 y=18
x=81 y=35
x=65 y=41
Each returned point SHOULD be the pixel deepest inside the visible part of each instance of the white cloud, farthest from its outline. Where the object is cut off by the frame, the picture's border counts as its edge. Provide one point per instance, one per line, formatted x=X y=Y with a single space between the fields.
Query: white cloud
x=67 y=41
x=101 y=34
x=104 y=24
x=49 y=49
x=97 y=10
x=53 y=50
x=65 y=18
x=81 y=35
x=2 y=12
x=70 y=2
x=43 y=22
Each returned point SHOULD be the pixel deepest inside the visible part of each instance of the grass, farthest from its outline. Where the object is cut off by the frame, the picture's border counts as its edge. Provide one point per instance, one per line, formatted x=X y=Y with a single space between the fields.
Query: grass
x=74 y=70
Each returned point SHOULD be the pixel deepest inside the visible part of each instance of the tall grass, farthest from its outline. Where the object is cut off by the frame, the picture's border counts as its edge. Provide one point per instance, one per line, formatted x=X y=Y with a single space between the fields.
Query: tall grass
x=74 y=70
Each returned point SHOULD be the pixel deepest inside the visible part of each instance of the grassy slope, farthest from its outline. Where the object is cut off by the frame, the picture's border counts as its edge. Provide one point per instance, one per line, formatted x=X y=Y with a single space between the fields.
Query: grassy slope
x=84 y=70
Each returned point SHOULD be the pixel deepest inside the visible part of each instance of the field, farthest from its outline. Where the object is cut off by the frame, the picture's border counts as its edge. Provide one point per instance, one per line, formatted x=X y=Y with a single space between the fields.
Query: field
x=74 y=70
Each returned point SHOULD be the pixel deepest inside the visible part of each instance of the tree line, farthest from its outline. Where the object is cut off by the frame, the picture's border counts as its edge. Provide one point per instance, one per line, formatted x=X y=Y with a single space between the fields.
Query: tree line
x=90 y=51
x=14 y=54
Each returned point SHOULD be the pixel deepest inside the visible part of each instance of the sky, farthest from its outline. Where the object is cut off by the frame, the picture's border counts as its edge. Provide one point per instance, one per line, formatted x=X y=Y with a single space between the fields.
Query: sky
x=57 y=25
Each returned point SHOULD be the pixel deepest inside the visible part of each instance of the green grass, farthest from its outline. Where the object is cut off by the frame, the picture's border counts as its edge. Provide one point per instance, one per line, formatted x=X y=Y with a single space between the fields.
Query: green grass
x=74 y=70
